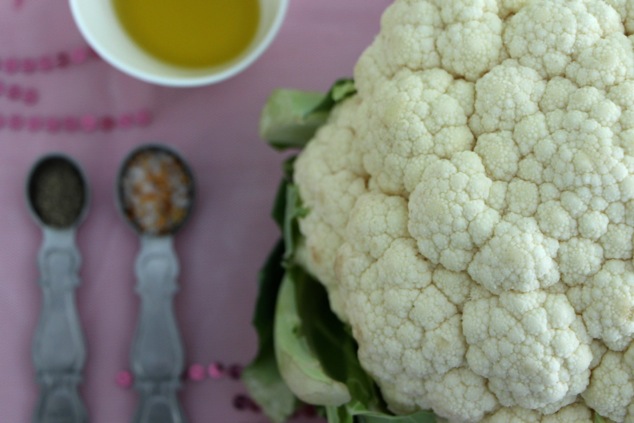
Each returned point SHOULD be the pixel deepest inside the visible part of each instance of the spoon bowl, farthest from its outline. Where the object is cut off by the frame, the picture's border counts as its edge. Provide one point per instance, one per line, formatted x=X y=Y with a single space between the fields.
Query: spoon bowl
x=155 y=190
x=56 y=191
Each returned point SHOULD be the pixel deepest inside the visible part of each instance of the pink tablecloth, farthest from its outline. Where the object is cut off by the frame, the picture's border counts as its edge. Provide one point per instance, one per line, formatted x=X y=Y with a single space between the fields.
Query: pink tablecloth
x=55 y=97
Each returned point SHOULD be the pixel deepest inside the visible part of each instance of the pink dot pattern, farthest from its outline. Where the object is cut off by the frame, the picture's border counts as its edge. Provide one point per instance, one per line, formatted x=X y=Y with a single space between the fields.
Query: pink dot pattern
x=197 y=372
x=86 y=123
x=124 y=379
x=81 y=122
x=27 y=65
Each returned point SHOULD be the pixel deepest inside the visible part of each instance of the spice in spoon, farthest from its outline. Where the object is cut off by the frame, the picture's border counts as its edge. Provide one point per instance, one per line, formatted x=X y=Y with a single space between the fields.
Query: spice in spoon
x=156 y=191
x=57 y=192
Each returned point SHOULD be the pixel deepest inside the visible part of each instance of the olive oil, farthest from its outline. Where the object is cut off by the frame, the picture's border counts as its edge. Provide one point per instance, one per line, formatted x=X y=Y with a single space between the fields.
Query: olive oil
x=190 y=33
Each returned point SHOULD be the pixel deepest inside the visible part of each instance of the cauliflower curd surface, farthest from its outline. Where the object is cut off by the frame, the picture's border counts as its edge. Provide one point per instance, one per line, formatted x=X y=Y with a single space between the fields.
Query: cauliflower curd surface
x=472 y=209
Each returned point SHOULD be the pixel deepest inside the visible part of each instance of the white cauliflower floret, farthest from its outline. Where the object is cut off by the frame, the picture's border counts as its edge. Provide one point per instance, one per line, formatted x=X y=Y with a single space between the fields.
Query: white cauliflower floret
x=470 y=398
x=406 y=128
x=605 y=64
x=531 y=347
x=471 y=48
x=593 y=225
x=617 y=241
x=611 y=388
x=574 y=413
x=471 y=209
x=448 y=213
x=579 y=259
x=505 y=95
x=376 y=221
x=500 y=154
x=555 y=221
x=471 y=40
x=542 y=37
x=516 y=258
x=409 y=30
x=608 y=299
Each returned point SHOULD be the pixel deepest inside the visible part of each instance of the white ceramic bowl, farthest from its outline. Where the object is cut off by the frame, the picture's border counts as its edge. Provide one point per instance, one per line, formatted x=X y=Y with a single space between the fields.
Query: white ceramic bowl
x=99 y=24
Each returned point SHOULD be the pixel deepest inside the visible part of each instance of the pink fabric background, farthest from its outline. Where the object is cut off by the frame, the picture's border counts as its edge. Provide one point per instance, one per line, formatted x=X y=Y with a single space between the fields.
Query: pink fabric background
x=227 y=238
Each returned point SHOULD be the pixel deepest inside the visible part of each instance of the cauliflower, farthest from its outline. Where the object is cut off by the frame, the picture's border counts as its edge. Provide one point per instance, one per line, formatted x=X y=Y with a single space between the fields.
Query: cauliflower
x=471 y=209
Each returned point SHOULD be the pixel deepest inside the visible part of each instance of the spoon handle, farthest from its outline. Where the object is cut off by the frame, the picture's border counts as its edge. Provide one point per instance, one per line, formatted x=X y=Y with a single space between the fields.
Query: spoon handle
x=58 y=349
x=157 y=353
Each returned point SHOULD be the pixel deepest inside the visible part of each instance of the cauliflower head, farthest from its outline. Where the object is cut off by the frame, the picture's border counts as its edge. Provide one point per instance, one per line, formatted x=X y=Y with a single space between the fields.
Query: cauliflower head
x=472 y=209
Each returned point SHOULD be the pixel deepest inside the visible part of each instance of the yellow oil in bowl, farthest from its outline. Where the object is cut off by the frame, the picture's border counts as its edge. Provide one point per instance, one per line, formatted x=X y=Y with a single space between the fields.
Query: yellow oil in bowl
x=191 y=33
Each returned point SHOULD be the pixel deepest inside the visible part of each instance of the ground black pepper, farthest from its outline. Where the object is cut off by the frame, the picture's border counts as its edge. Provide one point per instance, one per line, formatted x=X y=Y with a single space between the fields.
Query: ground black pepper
x=57 y=192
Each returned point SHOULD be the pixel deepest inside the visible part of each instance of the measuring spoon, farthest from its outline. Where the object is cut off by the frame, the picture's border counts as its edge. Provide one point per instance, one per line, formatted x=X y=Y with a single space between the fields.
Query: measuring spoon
x=155 y=192
x=57 y=197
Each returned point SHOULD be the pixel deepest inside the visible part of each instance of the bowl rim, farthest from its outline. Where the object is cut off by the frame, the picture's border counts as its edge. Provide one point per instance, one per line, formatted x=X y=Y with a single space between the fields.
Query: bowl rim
x=194 y=80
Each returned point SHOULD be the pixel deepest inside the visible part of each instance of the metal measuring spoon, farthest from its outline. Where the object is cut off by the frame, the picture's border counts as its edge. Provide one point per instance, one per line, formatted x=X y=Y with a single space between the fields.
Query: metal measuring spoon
x=155 y=191
x=57 y=196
